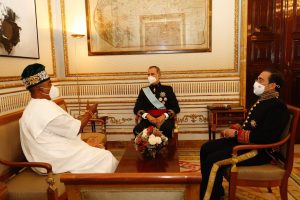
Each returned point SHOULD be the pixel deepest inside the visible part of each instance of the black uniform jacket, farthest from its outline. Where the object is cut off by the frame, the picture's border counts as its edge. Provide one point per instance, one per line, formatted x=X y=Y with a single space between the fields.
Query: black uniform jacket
x=266 y=121
x=163 y=93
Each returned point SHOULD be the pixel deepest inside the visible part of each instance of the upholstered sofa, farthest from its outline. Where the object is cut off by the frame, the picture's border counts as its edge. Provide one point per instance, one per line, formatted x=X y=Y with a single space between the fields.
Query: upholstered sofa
x=17 y=180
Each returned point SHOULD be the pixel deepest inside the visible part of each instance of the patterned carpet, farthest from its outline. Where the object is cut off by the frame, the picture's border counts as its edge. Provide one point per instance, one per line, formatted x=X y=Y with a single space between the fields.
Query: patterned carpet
x=189 y=161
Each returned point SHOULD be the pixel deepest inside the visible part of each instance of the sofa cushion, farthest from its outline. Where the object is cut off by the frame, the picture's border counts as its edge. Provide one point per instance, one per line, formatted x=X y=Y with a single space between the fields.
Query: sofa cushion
x=99 y=137
x=30 y=186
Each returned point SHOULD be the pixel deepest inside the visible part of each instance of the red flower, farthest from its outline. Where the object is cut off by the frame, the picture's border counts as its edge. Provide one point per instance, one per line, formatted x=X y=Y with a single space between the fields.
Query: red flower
x=157 y=133
x=139 y=140
x=150 y=130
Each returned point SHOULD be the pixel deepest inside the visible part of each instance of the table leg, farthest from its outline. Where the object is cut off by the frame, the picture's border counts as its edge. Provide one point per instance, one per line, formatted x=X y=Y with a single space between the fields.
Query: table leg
x=93 y=125
x=209 y=132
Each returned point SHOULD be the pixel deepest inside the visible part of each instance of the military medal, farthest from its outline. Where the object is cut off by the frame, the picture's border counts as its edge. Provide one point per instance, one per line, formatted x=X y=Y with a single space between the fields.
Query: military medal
x=162 y=97
x=253 y=123
x=162 y=94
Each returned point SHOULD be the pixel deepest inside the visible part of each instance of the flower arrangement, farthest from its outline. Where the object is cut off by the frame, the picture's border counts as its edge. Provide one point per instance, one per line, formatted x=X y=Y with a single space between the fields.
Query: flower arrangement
x=150 y=141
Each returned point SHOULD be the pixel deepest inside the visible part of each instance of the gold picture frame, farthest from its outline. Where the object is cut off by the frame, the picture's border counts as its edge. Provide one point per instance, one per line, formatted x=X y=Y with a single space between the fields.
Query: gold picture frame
x=46 y=47
x=18 y=28
x=151 y=27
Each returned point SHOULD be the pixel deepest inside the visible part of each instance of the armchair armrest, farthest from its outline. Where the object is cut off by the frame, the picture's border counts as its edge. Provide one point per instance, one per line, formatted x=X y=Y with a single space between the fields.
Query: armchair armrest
x=52 y=190
x=259 y=146
x=44 y=165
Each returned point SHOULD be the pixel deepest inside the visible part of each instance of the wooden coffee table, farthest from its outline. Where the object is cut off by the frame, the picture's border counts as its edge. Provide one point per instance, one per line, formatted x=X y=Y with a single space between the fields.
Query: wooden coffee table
x=133 y=161
x=136 y=178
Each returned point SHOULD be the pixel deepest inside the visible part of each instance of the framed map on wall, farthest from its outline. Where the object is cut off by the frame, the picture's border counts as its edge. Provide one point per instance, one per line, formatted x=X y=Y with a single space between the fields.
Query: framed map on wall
x=148 y=26
x=18 y=29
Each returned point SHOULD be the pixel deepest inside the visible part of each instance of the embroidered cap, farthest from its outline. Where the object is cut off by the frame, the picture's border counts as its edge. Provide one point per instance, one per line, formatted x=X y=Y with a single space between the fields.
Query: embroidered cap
x=34 y=74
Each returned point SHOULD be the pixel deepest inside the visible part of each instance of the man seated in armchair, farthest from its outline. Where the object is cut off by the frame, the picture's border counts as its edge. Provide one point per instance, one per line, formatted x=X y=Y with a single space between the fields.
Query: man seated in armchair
x=49 y=134
x=265 y=122
x=157 y=105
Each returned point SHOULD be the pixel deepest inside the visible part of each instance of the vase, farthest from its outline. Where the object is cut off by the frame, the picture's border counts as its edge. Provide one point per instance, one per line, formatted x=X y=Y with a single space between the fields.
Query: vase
x=149 y=153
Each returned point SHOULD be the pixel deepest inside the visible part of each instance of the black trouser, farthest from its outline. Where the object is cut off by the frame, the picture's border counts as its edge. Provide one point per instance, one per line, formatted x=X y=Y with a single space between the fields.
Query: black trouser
x=166 y=128
x=217 y=150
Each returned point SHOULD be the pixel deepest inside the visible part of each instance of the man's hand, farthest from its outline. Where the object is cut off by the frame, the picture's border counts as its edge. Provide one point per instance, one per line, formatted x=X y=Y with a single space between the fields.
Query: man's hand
x=228 y=133
x=151 y=119
x=160 y=120
x=92 y=108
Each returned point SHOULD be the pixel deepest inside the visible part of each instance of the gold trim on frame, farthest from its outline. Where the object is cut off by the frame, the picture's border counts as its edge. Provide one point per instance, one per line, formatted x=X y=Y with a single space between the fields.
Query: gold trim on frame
x=64 y=34
x=52 y=40
x=243 y=51
x=14 y=78
x=236 y=35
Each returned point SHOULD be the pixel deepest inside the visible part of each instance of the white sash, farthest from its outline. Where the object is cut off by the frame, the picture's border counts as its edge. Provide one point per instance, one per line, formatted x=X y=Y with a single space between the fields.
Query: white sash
x=152 y=98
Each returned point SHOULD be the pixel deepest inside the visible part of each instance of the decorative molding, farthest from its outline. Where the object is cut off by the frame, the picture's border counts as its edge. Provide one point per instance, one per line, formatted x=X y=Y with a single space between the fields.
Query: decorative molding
x=116 y=90
x=52 y=40
x=64 y=34
x=116 y=100
x=243 y=50
x=194 y=118
x=126 y=92
x=115 y=121
x=237 y=32
x=13 y=102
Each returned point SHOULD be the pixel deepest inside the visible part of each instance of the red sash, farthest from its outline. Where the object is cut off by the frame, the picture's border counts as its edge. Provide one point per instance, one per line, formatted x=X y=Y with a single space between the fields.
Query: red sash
x=157 y=112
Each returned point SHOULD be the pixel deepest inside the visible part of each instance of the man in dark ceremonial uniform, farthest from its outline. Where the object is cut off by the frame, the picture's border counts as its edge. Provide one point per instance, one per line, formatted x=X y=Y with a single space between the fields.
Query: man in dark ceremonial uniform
x=264 y=124
x=156 y=105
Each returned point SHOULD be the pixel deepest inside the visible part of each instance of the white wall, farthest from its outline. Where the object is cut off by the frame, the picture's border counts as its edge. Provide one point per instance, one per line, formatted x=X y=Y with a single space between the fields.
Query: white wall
x=198 y=78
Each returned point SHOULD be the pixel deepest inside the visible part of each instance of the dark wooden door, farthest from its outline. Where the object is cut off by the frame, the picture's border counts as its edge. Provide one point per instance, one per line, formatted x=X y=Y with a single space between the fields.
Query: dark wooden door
x=265 y=29
x=292 y=56
x=292 y=53
x=274 y=41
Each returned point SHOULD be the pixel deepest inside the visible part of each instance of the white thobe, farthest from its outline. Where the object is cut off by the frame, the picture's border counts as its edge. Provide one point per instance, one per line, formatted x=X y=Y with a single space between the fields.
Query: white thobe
x=49 y=134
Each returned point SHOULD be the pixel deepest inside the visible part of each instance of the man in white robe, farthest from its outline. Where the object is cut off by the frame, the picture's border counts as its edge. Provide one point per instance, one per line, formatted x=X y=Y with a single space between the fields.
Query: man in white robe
x=49 y=134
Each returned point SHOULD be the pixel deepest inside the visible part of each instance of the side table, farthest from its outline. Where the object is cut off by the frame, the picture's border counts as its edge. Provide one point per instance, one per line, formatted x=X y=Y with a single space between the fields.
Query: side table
x=100 y=120
x=220 y=117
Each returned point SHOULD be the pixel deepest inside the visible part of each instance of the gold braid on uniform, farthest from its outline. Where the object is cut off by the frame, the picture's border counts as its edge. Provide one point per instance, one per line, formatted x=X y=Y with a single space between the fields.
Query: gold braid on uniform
x=243 y=136
x=229 y=161
x=269 y=95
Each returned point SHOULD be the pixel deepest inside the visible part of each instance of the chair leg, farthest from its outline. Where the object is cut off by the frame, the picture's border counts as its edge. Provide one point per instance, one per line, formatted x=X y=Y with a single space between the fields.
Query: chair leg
x=232 y=185
x=269 y=189
x=283 y=189
x=232 y=190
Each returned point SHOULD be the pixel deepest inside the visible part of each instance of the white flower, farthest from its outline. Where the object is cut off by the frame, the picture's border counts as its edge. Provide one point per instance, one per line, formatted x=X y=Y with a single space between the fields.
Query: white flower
x=144 y=135
x=158 y=140
x=152 y=140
